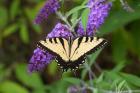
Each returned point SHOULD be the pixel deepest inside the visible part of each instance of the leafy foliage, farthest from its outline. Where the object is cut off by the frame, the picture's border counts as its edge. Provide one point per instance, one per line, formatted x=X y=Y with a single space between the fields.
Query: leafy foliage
x=116 y=68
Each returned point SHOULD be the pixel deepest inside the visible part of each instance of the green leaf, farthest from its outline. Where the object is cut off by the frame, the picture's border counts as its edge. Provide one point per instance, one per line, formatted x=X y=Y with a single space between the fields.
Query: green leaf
x=32 y=80
x=38 y=91
x=14 y=9
x=133 y=38
x=24 y=35
x=121 y=85
x=72 y=80
x=102 y=85
x=115 y=83
x=2 y=72
x=119 y=19
x=60 y=86
x=100 y=78
x=3 y=16
x=85 y=2
x=94 y=56
x=37 y=28
x=72 y=11
x=11 y=87
x=134 y=80
x=84 y=18
x=52 y=69
x=119 y=67
x=10 y=30
x=95 y=90
x=32 y=12
x=110 y=75
x=66 y=74
x=74 y=17
x=84 y=73
x=91 y=60
x=119 y=47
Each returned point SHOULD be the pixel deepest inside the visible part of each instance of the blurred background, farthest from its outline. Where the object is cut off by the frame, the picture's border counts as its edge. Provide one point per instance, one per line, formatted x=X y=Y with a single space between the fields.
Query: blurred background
x=117 y=66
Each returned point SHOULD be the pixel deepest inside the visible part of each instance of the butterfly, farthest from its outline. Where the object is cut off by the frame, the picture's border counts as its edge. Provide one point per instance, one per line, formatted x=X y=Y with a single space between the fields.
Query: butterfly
x=71 y=53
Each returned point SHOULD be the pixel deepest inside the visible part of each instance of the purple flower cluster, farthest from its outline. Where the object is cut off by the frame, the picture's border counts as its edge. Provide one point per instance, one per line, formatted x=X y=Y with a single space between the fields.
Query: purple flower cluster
x=40 y=58
x=98 y=12
x=60 y=30
x=50 y=6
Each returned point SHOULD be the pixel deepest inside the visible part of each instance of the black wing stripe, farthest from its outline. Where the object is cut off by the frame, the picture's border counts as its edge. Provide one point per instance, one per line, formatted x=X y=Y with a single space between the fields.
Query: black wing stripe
x=55 y=40
x=50 y=39
x=91 y=38
x=62 y=42
x=87 y=38
x=79 y=42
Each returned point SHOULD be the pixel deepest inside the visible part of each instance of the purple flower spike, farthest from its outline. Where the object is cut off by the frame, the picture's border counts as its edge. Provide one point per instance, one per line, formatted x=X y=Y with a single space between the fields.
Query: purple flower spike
x=98 y=12
x=51 y=6
x=39 y=60
x=60 y=30
x=80 y=31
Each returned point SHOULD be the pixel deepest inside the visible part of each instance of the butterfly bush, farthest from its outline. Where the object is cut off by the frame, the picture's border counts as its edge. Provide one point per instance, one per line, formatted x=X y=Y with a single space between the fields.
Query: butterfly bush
x=60 y=30
x=98 y=12
x=39 y=60
x=50 y=7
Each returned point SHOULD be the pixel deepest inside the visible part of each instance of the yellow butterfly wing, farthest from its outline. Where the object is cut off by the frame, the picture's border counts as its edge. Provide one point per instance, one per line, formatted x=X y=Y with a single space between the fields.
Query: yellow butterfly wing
x=85 y=45
x=71 y=58
x=56 y=46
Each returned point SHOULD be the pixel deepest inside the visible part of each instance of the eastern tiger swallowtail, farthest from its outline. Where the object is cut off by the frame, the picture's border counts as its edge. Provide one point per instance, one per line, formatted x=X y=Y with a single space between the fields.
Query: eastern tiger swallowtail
x=69 y=55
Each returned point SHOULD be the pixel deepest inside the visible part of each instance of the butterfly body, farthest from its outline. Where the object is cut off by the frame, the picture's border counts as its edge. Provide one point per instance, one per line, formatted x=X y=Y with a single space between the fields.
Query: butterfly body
x=69 y=55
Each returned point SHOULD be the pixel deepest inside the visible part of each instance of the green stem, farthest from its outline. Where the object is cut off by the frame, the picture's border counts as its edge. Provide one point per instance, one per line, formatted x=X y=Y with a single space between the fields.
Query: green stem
x=91 y=74
x=63 y=18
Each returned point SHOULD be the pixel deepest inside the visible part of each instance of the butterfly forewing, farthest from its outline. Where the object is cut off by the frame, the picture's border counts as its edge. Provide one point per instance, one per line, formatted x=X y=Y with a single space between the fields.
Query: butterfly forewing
x=57 y=46
x=85 y=45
